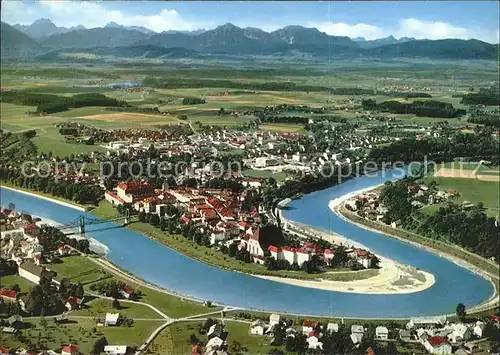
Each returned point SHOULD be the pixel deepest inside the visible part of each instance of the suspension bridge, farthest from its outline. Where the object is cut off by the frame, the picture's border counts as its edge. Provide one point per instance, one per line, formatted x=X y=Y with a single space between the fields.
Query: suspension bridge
x=83 y=221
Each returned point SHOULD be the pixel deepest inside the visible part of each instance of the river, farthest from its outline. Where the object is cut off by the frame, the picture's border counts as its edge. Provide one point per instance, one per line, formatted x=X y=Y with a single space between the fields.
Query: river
x=165 y=267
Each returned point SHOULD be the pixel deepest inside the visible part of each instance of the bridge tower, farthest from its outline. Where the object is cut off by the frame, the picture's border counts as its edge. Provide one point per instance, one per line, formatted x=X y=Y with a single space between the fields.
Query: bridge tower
x=82 y=225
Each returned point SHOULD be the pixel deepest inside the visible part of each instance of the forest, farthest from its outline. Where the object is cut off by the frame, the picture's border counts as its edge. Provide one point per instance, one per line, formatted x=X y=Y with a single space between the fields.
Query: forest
x=419 y=108
x=470 y=228
x=47 y=103
x=488 y=97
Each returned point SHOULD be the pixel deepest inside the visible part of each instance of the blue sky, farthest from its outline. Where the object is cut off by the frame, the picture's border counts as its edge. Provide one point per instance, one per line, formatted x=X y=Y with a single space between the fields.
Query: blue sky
x=420 y=19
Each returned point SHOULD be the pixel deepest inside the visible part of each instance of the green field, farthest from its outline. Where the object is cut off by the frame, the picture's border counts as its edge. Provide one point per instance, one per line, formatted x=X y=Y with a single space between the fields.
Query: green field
x=8 y=281
x=82 y=332
x=280 y=177
x=79 y=269
x=471 y=190
x=99 y=308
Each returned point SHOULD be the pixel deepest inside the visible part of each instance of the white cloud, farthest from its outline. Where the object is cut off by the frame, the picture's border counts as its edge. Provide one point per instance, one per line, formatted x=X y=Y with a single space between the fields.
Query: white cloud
x=358 y=30
x=431 y=30
x=92 y=14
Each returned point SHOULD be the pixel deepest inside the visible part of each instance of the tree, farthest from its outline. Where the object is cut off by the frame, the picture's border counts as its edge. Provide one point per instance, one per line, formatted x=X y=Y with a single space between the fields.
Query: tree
x=99 y=346
x=142 y=217
x=154 y=220
x=461 y=312
x=193 y=340
x=116 y=304
x=11 y=206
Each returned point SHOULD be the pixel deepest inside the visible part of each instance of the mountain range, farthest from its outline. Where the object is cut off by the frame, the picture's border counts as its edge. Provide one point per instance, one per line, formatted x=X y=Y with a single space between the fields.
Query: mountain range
x=43 y=37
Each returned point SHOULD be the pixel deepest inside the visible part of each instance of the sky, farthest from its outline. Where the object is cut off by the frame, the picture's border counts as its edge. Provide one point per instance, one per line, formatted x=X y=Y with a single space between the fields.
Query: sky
x=368 y=19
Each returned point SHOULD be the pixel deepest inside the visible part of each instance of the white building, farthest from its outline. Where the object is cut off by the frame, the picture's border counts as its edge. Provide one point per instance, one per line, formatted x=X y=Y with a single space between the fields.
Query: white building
x=437 y=345
x=381 y=333
x=111 y=319
x=274 y=319
x=479 y=329
x=115 y=349
x=314 y=343
x=258 y=328
x=302 y=256
x=289 y=254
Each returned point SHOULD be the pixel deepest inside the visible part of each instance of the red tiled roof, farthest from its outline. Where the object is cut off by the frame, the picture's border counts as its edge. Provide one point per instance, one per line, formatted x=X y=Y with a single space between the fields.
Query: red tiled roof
x=312 y=246
x=185 y=219
x=129 y=290
x=4 y=351
x=31 y=227
x=301 y=251
x=361 y=252
x=308 y=323
x=329 y=251
x=8 y=293
x=436 y=340
x=70 y=348
x=115 y=197
x=313 y=334
x=76 y=300
x=288 y=249
x=494 y=317
x=274 y=249
x=134 y=185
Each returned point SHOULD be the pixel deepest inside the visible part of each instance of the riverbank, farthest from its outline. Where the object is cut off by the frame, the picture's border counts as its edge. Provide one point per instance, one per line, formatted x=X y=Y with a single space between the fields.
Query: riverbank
x=457 y=255
x=54 y=199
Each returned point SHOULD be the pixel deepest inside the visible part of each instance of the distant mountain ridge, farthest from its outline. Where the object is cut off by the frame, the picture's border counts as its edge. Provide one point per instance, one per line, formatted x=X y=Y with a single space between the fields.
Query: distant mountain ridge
x=231 y=39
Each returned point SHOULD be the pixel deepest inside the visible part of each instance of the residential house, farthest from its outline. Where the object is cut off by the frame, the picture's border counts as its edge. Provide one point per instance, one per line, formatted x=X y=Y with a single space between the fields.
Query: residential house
x=8 y=295
x=214 y=343
x=263 y=237
x=313 y=341
x=332 y=327
x=460 y=332
x=70 y=350
x=437 y=345
x=4 y=351
x=404 y=335
x=328 y=255
x=258 y=327
x=289 y=254
x=302 y=255
x=132 y=191
x=479 y=329
x=381 y=333
x=215 y=330
x=127 y=292
x=116 y=349
x=274 y=319
x=73 y=303
x=308 y=327
x=357 y=332
x=111 y=319
x=276 y=252
x=33 y=272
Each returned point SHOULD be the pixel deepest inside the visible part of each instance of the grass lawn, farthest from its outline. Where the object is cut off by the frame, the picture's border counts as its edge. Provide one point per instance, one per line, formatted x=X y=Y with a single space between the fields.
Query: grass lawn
x=79 y=269
x=283 y=127
x=255 y=344
x=105 y=210
x=265 y=174
x=80 y=332
x=472 y=190
x=8 y=281
x=99 y=308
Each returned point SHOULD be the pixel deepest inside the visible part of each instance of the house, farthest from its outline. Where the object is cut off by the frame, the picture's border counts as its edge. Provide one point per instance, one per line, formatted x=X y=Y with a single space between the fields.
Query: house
x=404 y=335
x=111 y=319
x=32 y=230
x=479 y=329
x=289 y=255
x=4 y=351
x=460 y=332
x=116 y=349
x=33 y=272
x=274 y=319
x=127 y=292
x=263 y=237
x=328 y=254
x=258 y=328
x=8 y=295
x=302 y=256
x=332 y=327
x=15 y=319
x=214 y=343
x=437 y=345
x=357 y=332
x=132 y=191
x=70 y=350
x=307 y=327
x=276 y=252
x=381 y=333
x=313 y=341
x=215 y=330
x=73 y=303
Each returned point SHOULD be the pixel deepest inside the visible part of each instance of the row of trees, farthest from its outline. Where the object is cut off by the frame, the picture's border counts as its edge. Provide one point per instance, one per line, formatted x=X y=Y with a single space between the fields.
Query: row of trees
x=54 y=103
x=419 y=108
x=489 y=97
x=193 y=101
x=471 y=147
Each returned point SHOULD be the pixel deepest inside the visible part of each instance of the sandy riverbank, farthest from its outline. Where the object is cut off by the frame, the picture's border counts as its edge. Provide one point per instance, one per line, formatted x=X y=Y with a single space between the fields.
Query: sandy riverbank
x=66 y=204
x=336 y=206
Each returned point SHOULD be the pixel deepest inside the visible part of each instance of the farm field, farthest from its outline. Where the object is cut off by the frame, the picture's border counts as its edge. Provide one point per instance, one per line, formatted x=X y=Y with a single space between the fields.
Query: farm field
x=10 y=280
x=471 y=190
x=98 y=308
